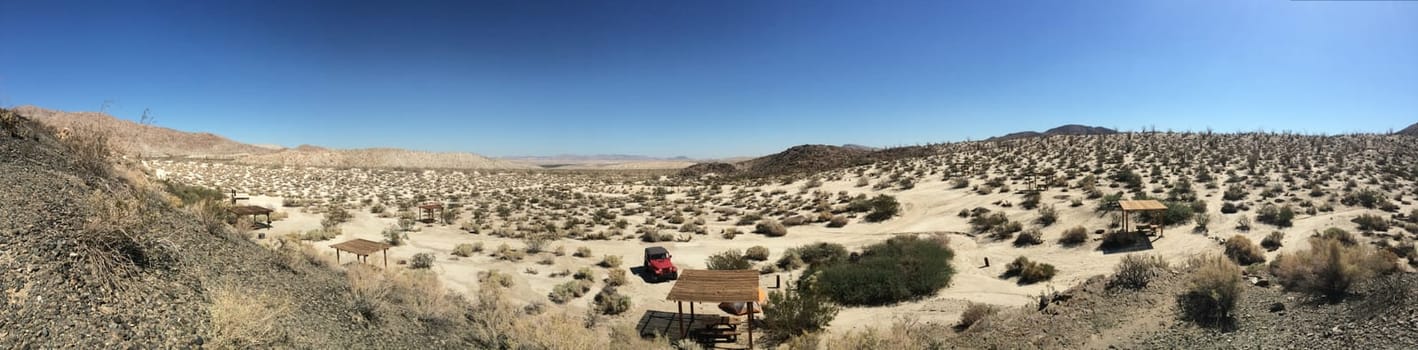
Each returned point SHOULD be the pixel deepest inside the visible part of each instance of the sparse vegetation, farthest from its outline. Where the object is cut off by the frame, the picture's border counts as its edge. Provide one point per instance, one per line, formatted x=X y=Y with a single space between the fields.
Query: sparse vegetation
x=1331 y=267
x=1136 y=270
x=1029 y=272
x=902 y=268
x=732 y=259
x=1212 y=291
x=1074 y=236
x=1241 y=250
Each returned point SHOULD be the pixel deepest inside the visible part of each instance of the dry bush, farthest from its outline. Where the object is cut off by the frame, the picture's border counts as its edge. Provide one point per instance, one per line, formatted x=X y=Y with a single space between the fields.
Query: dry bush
x=758 y=252
x=837 y=221
x=1136 y=270
x=1273 y=240
x=242 y=318
x=616 y=277
x=1370 y=223
x=1331 y=268
x=902 y=334
x=771 y=228
x=1048 y=215
x=495 y=277
x=609 y=302
x=292 y=253
x=91 y=150
x=1214 y=287
x=378 y=293
x=1074 y=236
x=732 y=259
x=464 y=250
x=1029 y=237
x=421 y=261
x=975 y=313
x=582 y=252
x=565 y=292
x=1241 y=250
x=1029 y=272
x=610 y=261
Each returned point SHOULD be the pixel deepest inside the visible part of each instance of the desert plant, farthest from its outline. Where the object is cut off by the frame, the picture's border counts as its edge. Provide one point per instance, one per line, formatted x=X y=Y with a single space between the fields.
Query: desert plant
x=793 y=312
x=1212 y=291
x=1273 y=240
x=758 y=252
x=608 y=302
x=394 y=236
x=582 y=252
x=1330 y=268
x=883 y=207
x=837 y=221
x=974 y=313
x=902 y=268
x=731 y=259
x=1241 y=250
x=240 y=318
x=1048 y=215
x=421 y=261
x=1029 y=272
x=1074 y=235
x=1278 y=216
x=1136 y=270
x=1371 y=223
x=616 y=277
x=463 y=250
x=771 y=228
x=1029 y=237
x=610 y=261
x=565 y=292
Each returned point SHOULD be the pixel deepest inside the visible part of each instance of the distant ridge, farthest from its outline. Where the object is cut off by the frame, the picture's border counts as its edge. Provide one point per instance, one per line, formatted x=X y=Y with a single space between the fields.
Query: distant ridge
x=1068 y=129
x=1411 y=130
x=146 y=140
x=806 y=159
x=313 y=156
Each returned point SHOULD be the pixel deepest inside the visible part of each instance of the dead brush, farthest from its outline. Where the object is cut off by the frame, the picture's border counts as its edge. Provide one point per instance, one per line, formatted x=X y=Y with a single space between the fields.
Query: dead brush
x=242 y=319
x=112 y=246
x=91 y=151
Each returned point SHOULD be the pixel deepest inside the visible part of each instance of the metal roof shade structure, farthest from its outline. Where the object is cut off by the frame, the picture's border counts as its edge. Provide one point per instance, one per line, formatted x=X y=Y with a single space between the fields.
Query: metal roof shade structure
x=1145 y=205
x=362 y=248
x=715 y=286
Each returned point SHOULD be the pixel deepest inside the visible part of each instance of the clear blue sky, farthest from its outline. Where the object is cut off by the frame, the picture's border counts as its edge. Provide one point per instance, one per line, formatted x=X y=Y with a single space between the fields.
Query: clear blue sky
x=711 y=78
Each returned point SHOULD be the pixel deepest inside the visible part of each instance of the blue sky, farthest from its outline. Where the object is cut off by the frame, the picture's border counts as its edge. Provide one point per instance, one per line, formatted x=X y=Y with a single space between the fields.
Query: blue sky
x=711 y=78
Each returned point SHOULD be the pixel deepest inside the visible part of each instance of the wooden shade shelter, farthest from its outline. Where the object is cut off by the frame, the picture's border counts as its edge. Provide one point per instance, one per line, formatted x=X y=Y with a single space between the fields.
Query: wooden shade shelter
x=362 y=248
x=427 y=209
x=1147 y=206
x=252 y=211
x=715 y=286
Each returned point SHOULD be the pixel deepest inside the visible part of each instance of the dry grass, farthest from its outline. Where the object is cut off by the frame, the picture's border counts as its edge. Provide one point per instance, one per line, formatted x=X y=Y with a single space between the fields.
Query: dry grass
x=1241 y=250
x=379 y=293
x=1331 y=268
x=245 y=319
x=1135 y=271
x=1214 y=288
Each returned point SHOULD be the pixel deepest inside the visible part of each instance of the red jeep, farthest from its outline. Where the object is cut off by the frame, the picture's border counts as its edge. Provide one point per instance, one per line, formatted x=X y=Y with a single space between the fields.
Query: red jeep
x=658 y=265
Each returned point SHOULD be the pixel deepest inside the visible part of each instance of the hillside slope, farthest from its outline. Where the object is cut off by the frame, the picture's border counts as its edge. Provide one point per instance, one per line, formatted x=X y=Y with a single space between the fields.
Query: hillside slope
x=91 y=260
x=142 y=139
x=807 y=159
x=1411 y=130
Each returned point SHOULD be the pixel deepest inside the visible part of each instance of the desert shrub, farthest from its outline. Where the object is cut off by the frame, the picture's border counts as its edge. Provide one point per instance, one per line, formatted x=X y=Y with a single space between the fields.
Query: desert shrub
x=1213 y=288
x=985 y=223
x=1177 y=213
x=565 y=292
x=1234 y=193
x=1029 y=237
x=1109 y=202
x=505 y=252
x=771 y=228
x=1331 y=268
x=1244 y=223
x=394 y=236
x=1136 y=270
x=1029 y=272
x=1273 y=240
x=731 y=259
x=793 y=312
x=610 y=261
x=582 y=252
x=378 y=293
x=616 y=277
x=609 y=302
x=1241 y=250
x=1228 y=208
x=1367 y=198
x=1048 y=215
x=758 y=252
x=1074 y=236
x=1278 y=216
x=335 y=215
x=730 y=233
x=321 y=234
x=242 y=319
x=837 y=221
x=1369 y=222
x=902 y=268
x=883 y=207
x=975 y=313
x=816 y=254
x=421 y=261
x=463 y=250
x=1340 y=235
x=495 y=277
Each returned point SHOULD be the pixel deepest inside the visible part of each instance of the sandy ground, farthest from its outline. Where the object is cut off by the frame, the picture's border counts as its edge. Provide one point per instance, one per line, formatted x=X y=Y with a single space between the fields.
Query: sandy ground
x=929 y=207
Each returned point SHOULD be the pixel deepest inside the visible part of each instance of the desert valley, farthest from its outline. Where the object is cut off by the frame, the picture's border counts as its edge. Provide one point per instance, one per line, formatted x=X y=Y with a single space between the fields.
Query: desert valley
x=1028 y=231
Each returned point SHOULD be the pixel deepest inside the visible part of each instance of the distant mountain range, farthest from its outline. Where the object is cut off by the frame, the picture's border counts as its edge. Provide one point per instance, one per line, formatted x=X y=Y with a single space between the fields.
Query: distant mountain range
x=1411 y=130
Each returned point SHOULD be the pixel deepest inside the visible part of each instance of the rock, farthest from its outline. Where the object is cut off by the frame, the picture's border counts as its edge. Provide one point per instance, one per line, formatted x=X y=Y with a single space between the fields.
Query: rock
x=1277 y=307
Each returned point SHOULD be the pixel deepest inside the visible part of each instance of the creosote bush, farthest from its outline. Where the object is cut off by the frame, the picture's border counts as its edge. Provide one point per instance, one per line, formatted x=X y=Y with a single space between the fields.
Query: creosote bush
x=771 y=228
x=421 y=261
x=731 y=259
x=1331 y=267
x=975 y=313
x=1029 y=237
x=883 y=207
x=1136 y=270
x=757 y=253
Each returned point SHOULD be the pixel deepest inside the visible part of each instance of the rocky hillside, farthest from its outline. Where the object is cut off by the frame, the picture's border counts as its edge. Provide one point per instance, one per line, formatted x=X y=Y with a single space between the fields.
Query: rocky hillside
x=380 y=158
x=806 y=159
x=1069 y=129
x=146 y=140
x=1411 y=130
x=96 y=257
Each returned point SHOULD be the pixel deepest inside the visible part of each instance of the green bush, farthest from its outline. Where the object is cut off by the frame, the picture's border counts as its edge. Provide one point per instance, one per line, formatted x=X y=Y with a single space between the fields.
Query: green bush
x=794 y=312
x=758 y=253
x=883 y=207
x=1177 y=213
x=1278 y=216
x=731 y=259
x=1369 y=223
x=902 y=268
x=1029 y=272
x=1029 y=237
x=816 y=254
x=1212 y=292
